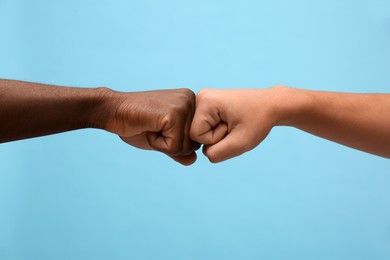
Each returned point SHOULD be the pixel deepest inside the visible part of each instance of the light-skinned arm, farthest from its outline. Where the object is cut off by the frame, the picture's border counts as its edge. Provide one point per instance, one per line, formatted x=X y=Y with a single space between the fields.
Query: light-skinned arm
x=231 y=122
x=154 y=120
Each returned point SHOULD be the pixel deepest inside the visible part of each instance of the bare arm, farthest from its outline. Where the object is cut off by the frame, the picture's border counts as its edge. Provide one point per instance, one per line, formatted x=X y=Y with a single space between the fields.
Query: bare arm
x=30 y=109
x=153 y=120
x=231 y=122
x=360 y=121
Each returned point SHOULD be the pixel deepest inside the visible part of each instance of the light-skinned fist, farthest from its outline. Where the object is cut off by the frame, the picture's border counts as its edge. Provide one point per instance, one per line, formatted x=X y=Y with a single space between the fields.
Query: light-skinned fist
x=232 y=122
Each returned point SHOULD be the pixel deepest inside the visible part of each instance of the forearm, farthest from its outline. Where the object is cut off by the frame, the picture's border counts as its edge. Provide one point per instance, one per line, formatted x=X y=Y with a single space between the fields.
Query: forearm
x=360 y=121
x=30 y=109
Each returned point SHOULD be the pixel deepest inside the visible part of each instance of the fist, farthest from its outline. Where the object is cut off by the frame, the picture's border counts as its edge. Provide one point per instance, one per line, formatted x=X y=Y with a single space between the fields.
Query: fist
x=156 y=120
x=231 y=122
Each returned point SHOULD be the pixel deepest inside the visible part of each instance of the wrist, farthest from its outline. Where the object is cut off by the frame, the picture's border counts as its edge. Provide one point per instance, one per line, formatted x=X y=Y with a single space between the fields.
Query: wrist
x=103 y=109
x=292 y=105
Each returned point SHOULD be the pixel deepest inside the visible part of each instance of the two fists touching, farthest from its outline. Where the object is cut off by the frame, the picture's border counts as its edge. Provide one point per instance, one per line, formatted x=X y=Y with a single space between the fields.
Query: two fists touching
x=231 y=122
x=176 y=122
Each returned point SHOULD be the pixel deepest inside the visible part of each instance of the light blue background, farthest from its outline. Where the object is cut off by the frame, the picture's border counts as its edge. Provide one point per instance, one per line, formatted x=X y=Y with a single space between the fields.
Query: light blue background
x=87 y=195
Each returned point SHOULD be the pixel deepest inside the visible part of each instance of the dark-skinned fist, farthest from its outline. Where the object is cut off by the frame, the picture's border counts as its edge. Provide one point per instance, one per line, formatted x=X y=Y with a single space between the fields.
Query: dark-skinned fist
x=155 y=120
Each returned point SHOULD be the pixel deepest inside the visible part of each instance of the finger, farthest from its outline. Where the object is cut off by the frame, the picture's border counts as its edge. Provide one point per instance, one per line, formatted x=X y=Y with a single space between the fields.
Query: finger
x=185 y=159
x=167 y=141
x=207 y=127
x=233 y=144
x=214 y=135
x=188 y=145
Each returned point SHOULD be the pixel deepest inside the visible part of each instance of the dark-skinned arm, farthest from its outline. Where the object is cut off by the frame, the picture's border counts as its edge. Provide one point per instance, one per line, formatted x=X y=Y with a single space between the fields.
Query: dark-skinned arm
x=154 y=120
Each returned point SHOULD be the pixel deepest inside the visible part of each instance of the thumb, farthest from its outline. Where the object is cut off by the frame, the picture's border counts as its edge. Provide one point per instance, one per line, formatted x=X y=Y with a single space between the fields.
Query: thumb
x=209 y=135
x=207 y=126
x=169 y=144
x=233 y=144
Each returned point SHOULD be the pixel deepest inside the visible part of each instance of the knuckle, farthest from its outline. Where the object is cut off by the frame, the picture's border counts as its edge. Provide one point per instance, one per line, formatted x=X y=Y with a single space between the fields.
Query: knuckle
x=186 y=96
x=210 y=153
x=167 y=120
x=188 y=92
x=206 y=97
x=193 y=134
x=203 y=92
x=174 y=148
x=178 y=114
x=212 y=156
x=183 y=106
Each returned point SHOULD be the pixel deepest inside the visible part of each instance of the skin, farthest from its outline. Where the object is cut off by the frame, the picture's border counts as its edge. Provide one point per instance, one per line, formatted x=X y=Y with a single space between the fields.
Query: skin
x=232 y=122
x=153 y=120
x=227 y=122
